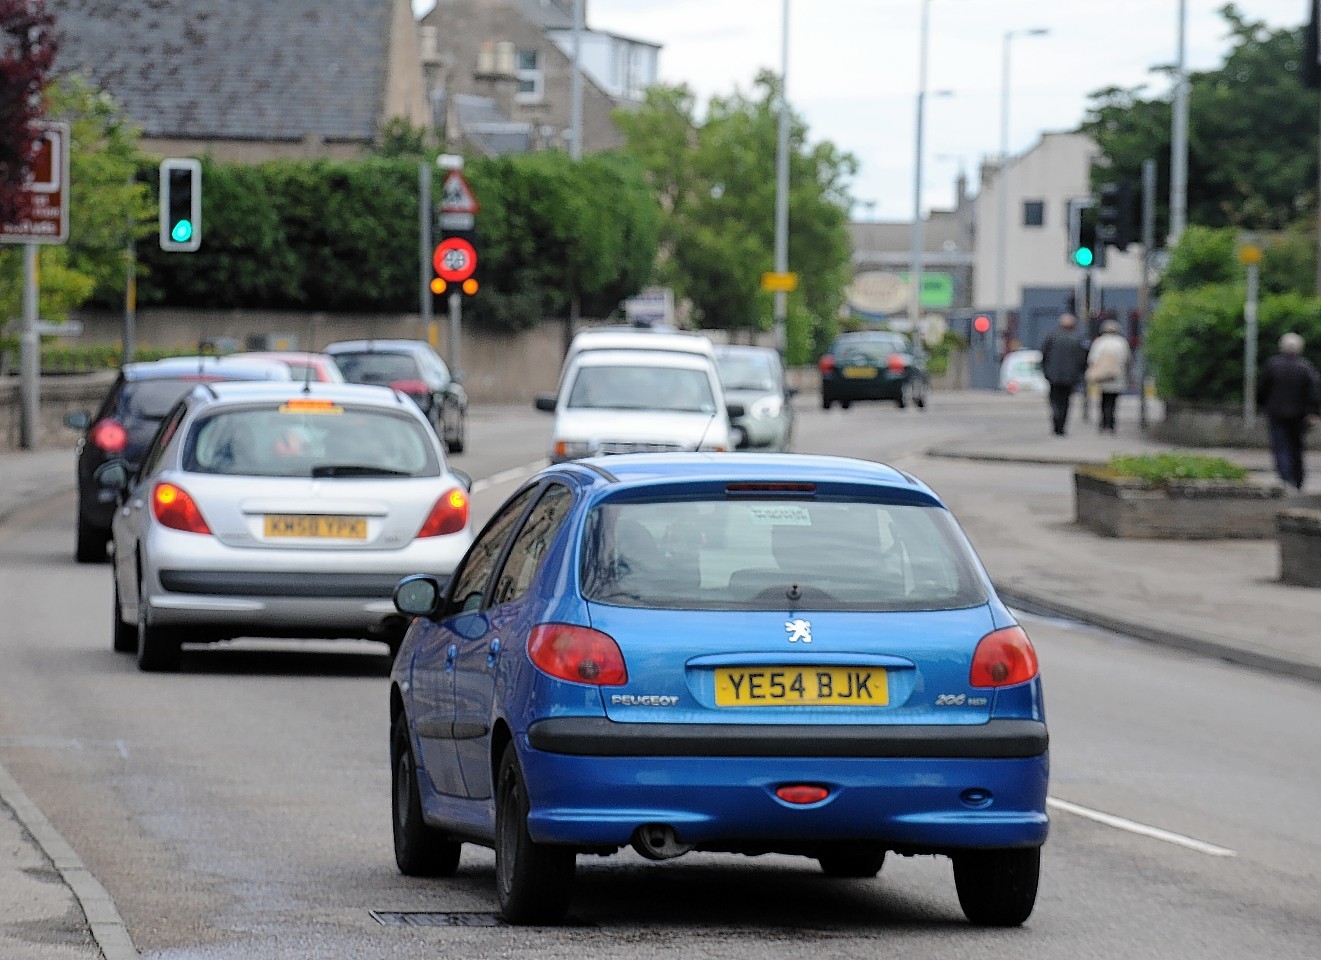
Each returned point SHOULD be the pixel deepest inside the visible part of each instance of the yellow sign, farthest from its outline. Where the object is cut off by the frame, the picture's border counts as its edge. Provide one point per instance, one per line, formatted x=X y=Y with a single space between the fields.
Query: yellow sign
x=1249 y=254
x=779 y=282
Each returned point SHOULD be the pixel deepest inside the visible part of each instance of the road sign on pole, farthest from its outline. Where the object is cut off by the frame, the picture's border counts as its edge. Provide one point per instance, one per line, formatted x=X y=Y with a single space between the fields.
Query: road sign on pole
x=47 y=187
x=455 y=259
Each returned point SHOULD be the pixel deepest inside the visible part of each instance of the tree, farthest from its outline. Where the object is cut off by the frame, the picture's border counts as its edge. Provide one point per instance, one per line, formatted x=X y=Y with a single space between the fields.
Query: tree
x=27 y=50
x=1252 y=134
x=715 y=179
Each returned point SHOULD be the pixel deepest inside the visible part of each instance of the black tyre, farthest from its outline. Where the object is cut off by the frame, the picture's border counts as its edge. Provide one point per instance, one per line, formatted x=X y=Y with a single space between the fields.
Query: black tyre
x=997 y=888
x=845 y=404
x=419 y=850
x=158 y=649
x=862 y=862
x=90 y=543
x=125 y=634
x=826 y=402
x=534 y=881
x=454 y=427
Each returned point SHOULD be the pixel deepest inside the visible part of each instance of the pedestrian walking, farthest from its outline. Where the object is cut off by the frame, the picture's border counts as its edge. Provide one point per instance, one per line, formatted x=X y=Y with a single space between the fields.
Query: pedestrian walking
x=1107 y=370
x=1063 y=362
x=1290 y=393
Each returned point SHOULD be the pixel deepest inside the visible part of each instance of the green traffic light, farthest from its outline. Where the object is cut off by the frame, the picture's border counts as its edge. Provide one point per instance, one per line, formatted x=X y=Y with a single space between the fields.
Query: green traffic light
x=1083 y=256
x=182 y=231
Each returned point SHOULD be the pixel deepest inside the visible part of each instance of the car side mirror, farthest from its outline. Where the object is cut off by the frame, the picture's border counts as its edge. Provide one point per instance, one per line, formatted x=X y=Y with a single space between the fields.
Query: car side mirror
x=735 y=410
x=791 y=392
x=463 y=476
x=458 y=376
x=112 y=475
x=418 y=595
x=545 y=401
x=78 y=420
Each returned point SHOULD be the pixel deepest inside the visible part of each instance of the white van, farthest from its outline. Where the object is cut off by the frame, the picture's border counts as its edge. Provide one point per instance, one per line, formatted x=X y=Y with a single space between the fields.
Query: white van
x=651 y=393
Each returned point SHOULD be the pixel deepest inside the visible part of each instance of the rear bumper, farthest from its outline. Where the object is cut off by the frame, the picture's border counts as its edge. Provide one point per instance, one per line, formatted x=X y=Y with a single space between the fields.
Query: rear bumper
x=917 y=804
x=880 y=388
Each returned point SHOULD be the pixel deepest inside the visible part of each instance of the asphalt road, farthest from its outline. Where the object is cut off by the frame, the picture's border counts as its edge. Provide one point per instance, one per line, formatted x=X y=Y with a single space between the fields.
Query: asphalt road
x=240 y=809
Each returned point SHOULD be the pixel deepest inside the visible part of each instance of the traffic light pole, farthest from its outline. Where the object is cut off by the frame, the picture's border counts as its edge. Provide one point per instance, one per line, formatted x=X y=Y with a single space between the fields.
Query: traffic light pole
x=30 y=352
x=424 y=247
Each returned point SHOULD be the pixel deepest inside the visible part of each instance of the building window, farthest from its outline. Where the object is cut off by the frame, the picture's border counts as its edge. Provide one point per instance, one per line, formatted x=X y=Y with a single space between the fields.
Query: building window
x=1034 y=213
x=531 y=78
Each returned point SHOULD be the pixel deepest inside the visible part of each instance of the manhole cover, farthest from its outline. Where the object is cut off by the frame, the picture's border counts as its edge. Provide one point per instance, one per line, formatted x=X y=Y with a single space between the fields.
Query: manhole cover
x=405 y=918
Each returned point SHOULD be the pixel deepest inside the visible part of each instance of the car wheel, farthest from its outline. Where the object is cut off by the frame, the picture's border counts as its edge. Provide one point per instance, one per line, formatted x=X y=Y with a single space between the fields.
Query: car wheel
x=126 y=634
x=862 y=862
x=453 y=426
x=826 y=402
x=419 y=850
x=845 y=404
x=90 y=543
x=534 y=881
x=158 y=649
x=997 y=888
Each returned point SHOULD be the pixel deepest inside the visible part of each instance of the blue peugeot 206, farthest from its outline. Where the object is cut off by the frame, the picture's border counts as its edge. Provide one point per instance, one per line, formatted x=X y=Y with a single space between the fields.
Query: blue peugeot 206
x=745 y=653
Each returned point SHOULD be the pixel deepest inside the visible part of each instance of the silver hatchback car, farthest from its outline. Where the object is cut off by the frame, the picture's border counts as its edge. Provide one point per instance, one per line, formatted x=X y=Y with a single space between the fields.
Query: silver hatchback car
x=280 y=510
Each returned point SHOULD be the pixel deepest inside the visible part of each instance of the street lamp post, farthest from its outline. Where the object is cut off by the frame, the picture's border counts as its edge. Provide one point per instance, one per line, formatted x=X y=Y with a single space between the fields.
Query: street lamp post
x=782 y=191
x=1179 y=136
x=1000 y=320
x=915 y=254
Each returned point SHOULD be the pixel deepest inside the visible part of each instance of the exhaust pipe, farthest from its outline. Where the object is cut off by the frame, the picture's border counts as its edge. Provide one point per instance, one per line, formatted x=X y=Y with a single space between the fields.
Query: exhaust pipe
x=656 y=841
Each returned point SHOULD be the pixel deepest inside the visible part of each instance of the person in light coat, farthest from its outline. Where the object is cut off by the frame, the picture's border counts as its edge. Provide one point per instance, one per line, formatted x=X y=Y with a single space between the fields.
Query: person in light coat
x=1107 y=370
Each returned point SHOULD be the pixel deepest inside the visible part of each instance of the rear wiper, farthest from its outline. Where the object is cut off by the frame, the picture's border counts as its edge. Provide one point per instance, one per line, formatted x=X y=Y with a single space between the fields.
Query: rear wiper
x=356 y=470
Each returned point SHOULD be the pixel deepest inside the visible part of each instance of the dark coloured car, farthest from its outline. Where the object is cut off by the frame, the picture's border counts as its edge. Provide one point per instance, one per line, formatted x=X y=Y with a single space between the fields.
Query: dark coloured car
x=873 y=365
x=412 y=367
x=123 y=426
x=747 y=653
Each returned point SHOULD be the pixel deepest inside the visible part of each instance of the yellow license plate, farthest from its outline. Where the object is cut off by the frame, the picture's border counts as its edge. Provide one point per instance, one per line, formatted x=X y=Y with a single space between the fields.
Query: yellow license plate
x=801 y=686
x=860 y=373
x=316 y=527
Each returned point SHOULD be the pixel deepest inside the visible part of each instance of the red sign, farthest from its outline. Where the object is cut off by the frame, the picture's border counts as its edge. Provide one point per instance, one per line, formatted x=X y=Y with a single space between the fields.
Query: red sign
x=456 y=196
x=455 y=259
x=47 y=220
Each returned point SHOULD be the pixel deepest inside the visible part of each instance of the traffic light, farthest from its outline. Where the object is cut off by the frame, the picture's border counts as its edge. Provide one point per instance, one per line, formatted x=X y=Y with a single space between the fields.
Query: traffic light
x=181 y=205
x=1114 y=220
x=1082 y=249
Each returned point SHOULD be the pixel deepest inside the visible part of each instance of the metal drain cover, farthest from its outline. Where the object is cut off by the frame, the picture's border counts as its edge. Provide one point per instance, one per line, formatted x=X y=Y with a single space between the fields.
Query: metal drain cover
x=407 y=918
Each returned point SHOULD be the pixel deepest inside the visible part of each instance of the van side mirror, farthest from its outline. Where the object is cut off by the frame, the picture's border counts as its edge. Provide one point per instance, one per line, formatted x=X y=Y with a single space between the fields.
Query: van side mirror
x=545 y=401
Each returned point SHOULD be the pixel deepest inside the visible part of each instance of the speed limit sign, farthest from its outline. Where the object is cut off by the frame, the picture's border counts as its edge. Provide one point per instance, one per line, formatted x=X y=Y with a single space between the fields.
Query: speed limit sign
x=455 y=259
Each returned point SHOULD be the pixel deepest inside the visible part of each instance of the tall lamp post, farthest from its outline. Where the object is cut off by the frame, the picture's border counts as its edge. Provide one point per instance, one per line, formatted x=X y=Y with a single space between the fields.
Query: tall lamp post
x=782 y=192
x=1179 y=135
x=1001 y=318
x=915 y=254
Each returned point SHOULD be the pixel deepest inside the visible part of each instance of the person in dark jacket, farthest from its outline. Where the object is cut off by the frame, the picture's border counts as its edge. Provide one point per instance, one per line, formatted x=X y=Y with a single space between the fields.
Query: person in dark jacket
x=1290 y=393
x=1063 y=363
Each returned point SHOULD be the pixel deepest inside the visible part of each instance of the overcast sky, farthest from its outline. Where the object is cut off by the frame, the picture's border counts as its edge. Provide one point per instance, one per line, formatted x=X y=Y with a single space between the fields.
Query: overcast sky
x=853 y=69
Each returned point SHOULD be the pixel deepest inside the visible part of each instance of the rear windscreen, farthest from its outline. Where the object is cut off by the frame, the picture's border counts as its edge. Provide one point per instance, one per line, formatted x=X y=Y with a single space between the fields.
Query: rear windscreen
x=382 y=369
x=740 y=554
x=310 y=440
x=642 y=388
x=151 y=399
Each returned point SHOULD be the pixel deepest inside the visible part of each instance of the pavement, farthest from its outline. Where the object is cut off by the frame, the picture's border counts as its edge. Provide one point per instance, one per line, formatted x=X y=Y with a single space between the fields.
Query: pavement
x=1010 y=486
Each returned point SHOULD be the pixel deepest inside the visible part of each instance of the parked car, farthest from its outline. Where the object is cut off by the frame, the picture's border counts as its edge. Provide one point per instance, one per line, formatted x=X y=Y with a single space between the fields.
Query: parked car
x=126 y=420
x=754 y=379
x=746 y=654
x=414 y=368
x=302 y=365
x=873 y=365
x=1020 y=372
x=637 y=399
x=279 y=510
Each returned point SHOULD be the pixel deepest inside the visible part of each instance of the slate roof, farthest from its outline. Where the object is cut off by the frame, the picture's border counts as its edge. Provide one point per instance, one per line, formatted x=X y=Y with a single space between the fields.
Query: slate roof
x=234 y=69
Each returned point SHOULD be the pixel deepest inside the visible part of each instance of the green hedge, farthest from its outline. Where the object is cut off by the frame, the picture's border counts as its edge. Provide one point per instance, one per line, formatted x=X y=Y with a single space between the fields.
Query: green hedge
x=341 y=235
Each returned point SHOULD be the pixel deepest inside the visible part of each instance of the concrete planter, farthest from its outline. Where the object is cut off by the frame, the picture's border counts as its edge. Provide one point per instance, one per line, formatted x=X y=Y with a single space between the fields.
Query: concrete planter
x=1299 y=532
x=1116 y=506
x=1208 y=425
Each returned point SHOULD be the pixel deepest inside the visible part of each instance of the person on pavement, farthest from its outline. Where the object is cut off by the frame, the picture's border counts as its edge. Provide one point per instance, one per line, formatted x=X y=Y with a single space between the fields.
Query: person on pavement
x=1107 y=370
x=1290 y=393
x=1063 y=362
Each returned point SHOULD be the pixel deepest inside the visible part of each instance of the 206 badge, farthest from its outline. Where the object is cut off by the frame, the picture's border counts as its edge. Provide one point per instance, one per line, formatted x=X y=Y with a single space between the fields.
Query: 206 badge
x=798 y=630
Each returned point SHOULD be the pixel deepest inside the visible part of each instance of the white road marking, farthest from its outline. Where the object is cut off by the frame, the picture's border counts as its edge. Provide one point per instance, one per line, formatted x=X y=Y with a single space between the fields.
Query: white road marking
x=1132 y=826
x=507 y=476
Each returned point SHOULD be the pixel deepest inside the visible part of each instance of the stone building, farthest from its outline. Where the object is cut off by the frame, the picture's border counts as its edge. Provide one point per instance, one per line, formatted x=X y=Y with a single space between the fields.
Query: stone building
x=499 y=74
